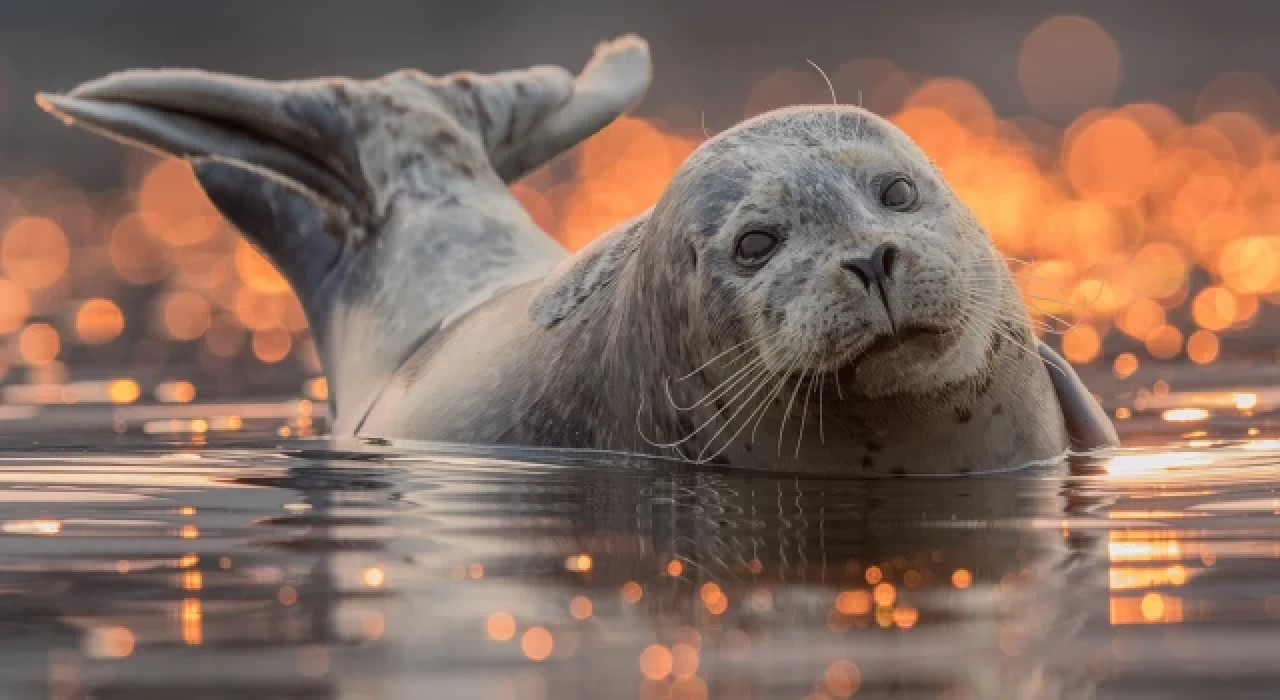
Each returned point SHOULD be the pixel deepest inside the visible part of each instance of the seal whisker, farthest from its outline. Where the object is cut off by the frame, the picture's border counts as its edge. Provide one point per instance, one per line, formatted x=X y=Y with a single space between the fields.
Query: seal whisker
x=759 y=413
x=834 y=102
x=769 y=396
x=731 y=348
x=804 y=414
x=728 y=384
x=704 y=424
x=822 y=434
x=787 y=415
x=979 y=303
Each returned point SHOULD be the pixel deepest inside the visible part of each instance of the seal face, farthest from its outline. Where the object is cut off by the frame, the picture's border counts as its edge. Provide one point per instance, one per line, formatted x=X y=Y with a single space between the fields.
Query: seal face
x=807 y=266
x=838 y=245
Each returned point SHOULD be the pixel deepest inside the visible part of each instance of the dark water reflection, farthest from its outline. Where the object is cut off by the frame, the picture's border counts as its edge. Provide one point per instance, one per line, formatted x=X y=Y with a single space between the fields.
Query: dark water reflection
x=297 y=569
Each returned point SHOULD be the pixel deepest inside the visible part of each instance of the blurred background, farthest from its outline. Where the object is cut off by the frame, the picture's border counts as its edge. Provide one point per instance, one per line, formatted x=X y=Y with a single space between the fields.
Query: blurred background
x=1124 y=155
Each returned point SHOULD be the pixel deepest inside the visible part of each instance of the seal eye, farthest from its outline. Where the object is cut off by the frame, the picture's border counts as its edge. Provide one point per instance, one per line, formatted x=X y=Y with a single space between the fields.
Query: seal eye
x=899 y=195
x=754 y=247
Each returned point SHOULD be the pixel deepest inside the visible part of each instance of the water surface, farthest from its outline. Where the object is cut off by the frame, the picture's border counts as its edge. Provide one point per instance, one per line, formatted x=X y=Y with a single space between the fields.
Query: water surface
x=144 y=556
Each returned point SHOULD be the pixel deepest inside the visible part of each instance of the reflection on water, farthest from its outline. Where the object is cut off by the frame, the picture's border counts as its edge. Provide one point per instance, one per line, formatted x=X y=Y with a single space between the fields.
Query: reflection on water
x=154 y=567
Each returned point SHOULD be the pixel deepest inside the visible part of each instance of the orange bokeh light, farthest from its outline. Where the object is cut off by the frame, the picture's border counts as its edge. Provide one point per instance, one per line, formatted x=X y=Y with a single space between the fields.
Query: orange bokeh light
x=39 y=344
x=1067 y=64
x=173 y=207
x=99 y=321
x=186 y=315
x=34 y=252
x=14 y=306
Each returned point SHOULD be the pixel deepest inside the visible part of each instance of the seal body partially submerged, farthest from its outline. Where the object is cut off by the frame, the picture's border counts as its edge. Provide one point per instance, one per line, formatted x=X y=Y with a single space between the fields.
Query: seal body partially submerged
x=806 y=294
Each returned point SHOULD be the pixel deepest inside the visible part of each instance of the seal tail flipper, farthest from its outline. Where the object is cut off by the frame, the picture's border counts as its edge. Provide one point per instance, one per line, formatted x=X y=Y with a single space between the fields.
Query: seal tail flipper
x=1087 y=424
x=372 y=197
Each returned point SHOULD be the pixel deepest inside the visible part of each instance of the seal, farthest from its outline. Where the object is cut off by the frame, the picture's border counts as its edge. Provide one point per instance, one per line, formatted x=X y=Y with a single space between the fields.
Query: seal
x=807 y=294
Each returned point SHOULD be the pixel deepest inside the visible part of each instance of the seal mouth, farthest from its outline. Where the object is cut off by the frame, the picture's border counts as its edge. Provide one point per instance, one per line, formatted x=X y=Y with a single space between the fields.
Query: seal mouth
x=905 y=335
x=293 y=133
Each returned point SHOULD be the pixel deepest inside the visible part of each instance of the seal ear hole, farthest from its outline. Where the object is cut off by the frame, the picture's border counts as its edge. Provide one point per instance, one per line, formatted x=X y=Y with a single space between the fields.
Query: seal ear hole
x=693 y=256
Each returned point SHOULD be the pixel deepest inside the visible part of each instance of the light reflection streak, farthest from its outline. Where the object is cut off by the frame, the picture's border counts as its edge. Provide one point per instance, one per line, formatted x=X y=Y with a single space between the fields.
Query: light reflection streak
x=1140 y=465
x=192 y=617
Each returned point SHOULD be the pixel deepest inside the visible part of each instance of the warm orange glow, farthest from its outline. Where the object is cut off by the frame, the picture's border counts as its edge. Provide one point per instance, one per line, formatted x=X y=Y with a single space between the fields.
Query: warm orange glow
x=14 y=306
x=109 y=643
x=186 y=315
x=99 y=321
x=684 y=660
x=1128 y=578
x=1126 y=363
x=536 y=643
x=500 y=626
x=853 y=602
x=884 y=594
x=1245 y=401
x=374 y=577
x=31 y=527
x=961 y=578
x=172 y=206
x=1203 y=347
x=1164 y=342
x=317 y=389
x=1141 y=317
x=578 y=563
x=656 y=662
x=256 y=271
x=1068 y=64
x=1081 y=343
x=192 y=617
x=1111 y=160
x=874 y=575
x=123 y=391
x=842 y=678
x=1184 y=415
x=632 y=592
x=39 y=344
x=709 y=591
x=580 y=607
x=905 y=617
x=272 y=345
x=1214 y=308
x=34 y=252
x=1153 y=607
x=175 y=392
x=674 y=568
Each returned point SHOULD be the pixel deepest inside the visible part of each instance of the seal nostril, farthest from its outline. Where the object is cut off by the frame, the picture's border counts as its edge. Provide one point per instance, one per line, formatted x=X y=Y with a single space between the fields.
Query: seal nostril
x=862 y=268
x=883 y=259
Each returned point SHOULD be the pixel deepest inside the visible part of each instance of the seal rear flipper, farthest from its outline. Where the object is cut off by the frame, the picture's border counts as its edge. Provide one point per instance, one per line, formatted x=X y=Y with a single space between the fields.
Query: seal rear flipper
x=384 y=202
x=1087 y=424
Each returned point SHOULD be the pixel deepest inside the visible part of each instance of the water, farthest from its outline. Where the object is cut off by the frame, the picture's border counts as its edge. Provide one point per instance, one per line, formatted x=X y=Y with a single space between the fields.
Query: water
x=166 y=563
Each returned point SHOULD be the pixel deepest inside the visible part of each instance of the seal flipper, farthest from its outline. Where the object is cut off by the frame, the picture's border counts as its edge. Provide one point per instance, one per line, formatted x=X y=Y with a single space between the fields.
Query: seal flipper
x=1087 y=424
x=403 y=178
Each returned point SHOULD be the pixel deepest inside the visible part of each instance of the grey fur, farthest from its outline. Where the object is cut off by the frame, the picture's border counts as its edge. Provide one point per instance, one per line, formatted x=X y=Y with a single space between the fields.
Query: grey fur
x=443 y=313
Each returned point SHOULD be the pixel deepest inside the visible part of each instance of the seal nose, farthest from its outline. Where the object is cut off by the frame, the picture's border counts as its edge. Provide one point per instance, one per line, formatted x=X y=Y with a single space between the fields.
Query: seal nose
x=875 y=269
